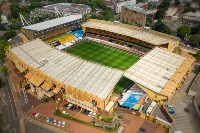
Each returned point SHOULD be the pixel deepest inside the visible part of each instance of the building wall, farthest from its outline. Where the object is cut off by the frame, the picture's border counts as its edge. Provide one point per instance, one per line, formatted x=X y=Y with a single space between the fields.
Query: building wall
x=78 y=96
x=130 y=16
x=28 y=33
x=118 y=36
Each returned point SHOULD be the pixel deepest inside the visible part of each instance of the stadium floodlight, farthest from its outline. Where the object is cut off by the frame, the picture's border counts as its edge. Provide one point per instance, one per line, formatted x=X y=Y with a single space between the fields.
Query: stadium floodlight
x=24 y=21
x=58 y=13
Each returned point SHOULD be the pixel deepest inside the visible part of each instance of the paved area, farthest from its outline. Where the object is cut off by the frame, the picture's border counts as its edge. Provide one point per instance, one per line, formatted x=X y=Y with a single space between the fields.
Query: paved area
x=182 y=120
x=36 y=128
x=48 y=109
x=132 y=123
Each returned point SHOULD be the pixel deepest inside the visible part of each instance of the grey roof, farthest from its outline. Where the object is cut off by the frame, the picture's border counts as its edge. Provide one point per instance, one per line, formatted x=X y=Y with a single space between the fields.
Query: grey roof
x=52 y=23
x=137 y=8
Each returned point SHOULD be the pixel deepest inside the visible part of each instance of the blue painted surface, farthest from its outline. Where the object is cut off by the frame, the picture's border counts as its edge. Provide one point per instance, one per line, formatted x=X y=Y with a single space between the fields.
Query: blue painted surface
x=77 y=33
x=132 y=100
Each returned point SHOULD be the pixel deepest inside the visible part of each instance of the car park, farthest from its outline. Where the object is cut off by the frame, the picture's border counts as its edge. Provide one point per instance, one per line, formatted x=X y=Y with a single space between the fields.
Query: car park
x=36 y=115
x=50 y=120
x=59 y=123
x=63 y=124
x=54 y=122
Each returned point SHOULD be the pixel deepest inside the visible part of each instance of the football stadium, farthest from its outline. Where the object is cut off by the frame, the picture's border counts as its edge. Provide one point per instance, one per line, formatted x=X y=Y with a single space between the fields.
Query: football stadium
x=85 y=65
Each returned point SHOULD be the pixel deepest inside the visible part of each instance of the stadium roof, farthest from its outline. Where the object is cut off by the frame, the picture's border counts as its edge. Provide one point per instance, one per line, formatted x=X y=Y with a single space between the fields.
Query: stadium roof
x=155 y=69
x=52 y=23
x=92 y=78
x=153 y=37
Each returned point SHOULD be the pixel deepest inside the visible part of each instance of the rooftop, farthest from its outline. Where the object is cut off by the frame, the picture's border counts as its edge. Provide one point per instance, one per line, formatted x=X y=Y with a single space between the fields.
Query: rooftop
x=69 y=70
x=150 y=36
x=138 y=8
x=52 y=23
x=155 y=70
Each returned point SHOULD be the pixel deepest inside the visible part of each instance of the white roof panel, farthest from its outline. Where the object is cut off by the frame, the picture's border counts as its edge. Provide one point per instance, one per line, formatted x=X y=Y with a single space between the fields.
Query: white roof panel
x=84 y=75
x=155 y=69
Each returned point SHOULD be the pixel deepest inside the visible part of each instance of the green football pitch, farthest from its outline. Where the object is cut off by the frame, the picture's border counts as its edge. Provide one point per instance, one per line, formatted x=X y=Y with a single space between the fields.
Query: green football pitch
x=103 y=54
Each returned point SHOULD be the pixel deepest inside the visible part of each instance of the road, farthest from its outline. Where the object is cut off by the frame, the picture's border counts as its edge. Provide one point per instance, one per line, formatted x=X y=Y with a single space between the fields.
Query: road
x=8 y=108
x=33 y=128
x=180 y=103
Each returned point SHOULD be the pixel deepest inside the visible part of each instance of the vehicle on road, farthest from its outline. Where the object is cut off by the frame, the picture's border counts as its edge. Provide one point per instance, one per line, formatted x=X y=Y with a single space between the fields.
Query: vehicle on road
x=54 y=122
x=51 y=120
x=63 y=124
x=36 y=115
x=59 y=123
x=47 y=119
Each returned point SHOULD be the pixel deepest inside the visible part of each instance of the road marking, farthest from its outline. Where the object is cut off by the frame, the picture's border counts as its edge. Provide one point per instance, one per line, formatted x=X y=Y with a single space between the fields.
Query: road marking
x=19 y=91
x=4 y=100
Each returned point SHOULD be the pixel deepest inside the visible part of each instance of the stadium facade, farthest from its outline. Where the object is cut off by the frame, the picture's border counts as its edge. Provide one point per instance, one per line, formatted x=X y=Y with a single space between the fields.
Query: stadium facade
x=127 y=33
x=54 y=27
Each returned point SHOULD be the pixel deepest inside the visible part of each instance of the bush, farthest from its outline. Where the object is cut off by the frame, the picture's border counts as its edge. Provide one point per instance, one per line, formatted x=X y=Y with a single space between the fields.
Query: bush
x=27 y=86
x=45 y=100
x=9 y=34
x=4 y=69
x=107 y=120
x=183 y=30
x=195 y=40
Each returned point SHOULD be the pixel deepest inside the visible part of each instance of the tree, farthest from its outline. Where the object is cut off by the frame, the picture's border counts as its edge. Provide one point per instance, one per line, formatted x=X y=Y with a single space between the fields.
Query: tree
x=9 y=34
x=177 y=2
x=183 y=30
x=161 y=27
x=195 y=30
x=3 y=44
x=1 y=82
x=4 y=69
x=2 y=27
x=198 y=55
x=195 y=40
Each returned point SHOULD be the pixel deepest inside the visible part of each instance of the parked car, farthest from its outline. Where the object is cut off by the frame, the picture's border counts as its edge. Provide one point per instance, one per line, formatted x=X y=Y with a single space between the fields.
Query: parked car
x=73 y=108
x=54 y=122
x=47 y=119
x=90 y=114
x=59 y=123
x=36 y=115
x=50 y=120
x=69 y=106
x=63 y=124
x=142 y=129
x=33 y=114
x=64 y=112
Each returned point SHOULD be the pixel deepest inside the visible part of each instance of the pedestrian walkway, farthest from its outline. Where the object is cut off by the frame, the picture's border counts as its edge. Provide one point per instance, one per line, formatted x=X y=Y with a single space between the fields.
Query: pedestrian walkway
x=182 y=120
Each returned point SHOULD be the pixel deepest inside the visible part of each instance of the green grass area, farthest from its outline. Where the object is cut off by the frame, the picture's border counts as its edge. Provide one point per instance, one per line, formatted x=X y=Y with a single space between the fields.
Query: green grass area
x=107 y=120
x=103 y=54
x=122 y=84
